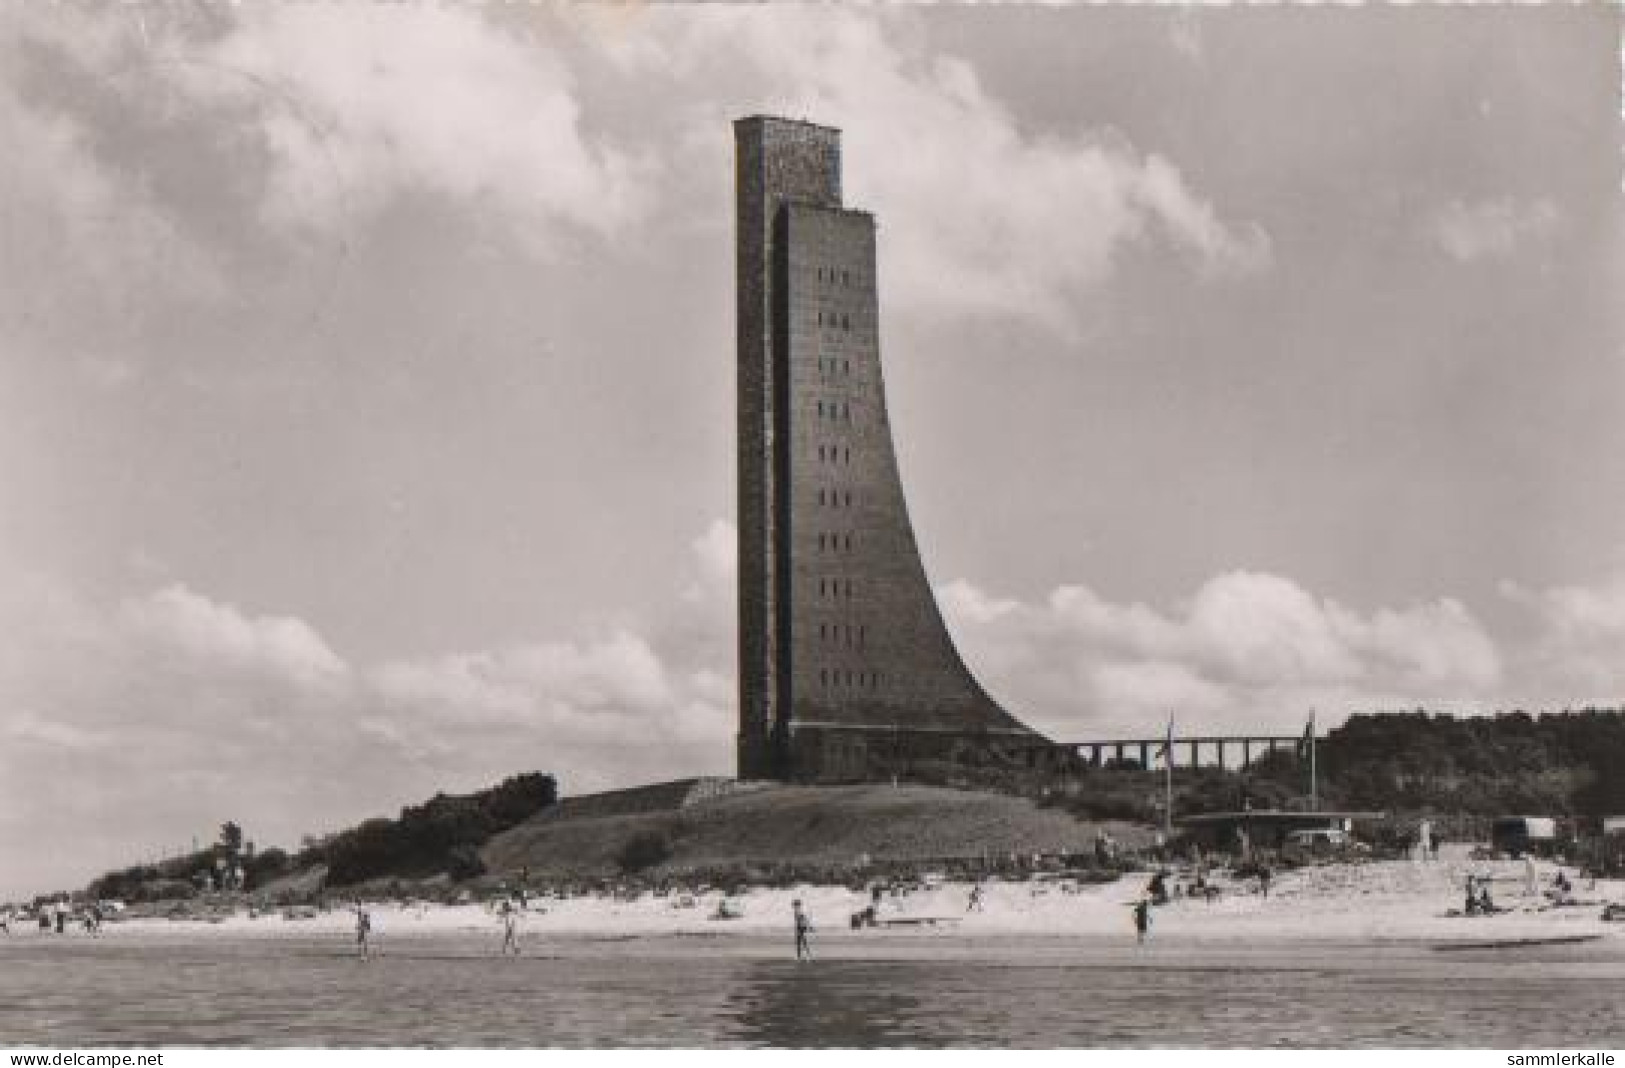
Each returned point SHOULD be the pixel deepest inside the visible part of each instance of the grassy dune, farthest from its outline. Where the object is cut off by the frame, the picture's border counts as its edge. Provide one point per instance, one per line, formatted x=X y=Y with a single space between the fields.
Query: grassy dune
x=832 y=825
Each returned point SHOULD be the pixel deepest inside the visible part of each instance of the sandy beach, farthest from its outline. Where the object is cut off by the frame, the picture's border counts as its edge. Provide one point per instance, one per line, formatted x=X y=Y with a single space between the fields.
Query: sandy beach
x=1341 y=955
x=1381 y=902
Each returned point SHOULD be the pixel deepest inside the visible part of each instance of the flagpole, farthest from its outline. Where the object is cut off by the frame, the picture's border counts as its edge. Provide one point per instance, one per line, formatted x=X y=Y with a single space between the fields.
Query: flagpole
x=1168 y=780
x=1314 y=781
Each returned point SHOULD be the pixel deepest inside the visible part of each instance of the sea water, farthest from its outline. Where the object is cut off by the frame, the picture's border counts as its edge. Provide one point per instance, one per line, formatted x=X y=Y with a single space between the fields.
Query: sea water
x=191 y=990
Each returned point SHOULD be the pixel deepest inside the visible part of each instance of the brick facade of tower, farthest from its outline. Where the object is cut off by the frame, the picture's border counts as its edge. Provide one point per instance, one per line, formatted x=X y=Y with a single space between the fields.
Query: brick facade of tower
x=846 y=669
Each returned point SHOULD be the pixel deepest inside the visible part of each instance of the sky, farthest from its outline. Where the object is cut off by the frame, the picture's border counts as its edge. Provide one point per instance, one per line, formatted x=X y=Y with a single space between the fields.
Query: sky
x=366 y=381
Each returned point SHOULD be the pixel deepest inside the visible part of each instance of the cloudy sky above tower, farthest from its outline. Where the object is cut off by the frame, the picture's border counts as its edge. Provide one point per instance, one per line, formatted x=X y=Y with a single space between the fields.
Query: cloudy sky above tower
x=366 y=381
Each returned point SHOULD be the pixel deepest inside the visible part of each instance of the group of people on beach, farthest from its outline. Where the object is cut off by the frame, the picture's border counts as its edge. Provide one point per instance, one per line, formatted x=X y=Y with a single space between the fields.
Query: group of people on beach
x=57 y=917
x=1479 y=902
x=507 y=913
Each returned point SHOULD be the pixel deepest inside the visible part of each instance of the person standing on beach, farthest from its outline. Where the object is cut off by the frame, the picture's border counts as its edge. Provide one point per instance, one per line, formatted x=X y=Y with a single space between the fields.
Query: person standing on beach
x=803 y=928
x=975 y=904
x=1142 y=919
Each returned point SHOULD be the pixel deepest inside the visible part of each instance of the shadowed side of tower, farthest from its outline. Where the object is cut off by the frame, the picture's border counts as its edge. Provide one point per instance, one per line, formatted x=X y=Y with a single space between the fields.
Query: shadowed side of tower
x=846 y=669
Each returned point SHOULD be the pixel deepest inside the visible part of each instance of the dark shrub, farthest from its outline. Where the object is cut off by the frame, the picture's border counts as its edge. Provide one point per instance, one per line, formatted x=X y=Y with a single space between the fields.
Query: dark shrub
x=644 y=850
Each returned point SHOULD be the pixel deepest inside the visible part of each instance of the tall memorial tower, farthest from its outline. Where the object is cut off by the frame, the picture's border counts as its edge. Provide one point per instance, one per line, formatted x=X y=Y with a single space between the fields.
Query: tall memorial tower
x=846 y=670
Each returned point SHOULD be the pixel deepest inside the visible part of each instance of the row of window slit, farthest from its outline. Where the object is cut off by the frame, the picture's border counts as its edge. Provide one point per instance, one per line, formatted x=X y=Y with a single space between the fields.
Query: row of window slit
x=862 y=679
x=837 y=631
x=828 y=587
x=829 y=365
x=834 y=454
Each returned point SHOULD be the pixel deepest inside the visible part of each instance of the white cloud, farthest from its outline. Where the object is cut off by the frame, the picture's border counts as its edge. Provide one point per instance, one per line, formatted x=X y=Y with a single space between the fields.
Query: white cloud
x=85 y=240
x=361 y=103
x=980 y=217
x=716 y=558
x=349 y=110
x=961 y=600
x=1247 y=650
x=1578 y=654
x=181 y=622
x=1491 y=229
x=160 y=715
x=531 y=685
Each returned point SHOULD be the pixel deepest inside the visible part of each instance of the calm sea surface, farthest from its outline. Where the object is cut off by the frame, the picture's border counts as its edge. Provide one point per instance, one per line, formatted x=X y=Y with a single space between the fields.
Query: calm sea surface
x=697 y=992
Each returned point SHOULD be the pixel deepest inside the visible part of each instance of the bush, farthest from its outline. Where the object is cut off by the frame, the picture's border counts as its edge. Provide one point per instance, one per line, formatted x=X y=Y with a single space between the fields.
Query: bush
x=442 y=835
x=644 y=850
x=465 y=863
x=264 y=866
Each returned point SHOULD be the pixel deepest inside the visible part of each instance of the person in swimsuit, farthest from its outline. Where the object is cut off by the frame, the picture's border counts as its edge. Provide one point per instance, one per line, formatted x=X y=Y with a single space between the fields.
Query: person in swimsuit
x=803 y=928
x=510 y=928
x=363 y=932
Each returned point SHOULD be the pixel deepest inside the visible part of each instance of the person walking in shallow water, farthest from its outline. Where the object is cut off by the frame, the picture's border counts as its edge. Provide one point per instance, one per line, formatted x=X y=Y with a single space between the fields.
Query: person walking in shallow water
x=803 y=928
x=1142 y=919
x=510 y=928
x=363 y=932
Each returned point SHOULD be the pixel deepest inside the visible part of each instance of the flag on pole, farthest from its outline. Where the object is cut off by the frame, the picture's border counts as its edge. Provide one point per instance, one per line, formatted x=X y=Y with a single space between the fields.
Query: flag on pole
x=1167 y=741
x=1308 y=738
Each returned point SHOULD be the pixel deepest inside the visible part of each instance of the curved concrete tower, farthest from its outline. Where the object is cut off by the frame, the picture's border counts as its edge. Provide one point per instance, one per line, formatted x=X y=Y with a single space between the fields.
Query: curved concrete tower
x=846 y=670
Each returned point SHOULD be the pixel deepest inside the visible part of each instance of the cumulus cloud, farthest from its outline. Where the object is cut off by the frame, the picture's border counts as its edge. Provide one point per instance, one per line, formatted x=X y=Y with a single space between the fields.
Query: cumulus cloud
x=982 y=217
x=325 y=116
x=716 y=556
x=359 y=103
x=84 y=238
x=615 y=675
x=1247 y=650
x=1580 y=634
x=146 y=719
x=1491 y=229
x=349 y=111
x=177 y=621
x=164 y=712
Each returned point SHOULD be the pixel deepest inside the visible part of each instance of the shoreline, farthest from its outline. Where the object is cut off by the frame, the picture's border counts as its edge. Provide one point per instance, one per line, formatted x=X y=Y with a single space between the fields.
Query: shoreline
x=1372 y=904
